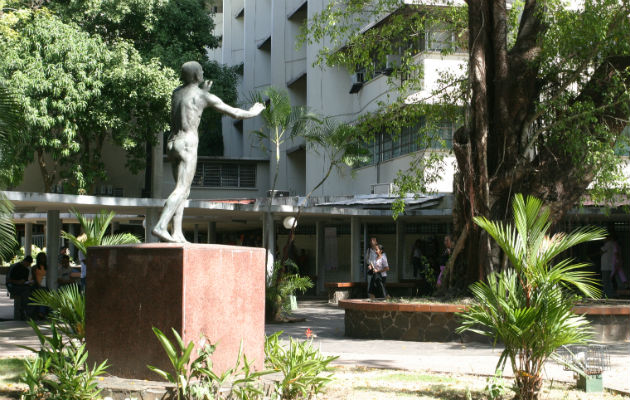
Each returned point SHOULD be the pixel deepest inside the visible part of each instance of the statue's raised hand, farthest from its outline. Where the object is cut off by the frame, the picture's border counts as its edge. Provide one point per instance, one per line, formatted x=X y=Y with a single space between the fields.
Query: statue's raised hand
x=206 y=86
x=257 y=108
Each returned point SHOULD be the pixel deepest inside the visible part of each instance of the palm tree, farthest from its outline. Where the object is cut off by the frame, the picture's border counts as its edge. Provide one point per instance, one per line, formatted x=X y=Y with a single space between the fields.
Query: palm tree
x=282 y=122
x=94 y=230
x=338 y=144
x=10 y=123
x=528 y=306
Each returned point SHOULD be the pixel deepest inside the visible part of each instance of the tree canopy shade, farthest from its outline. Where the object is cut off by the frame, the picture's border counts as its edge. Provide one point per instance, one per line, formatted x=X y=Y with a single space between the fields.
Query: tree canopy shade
x=76 y=92
x=89 y=72
x=10 y=124
x=173 y=32
x=544 y=97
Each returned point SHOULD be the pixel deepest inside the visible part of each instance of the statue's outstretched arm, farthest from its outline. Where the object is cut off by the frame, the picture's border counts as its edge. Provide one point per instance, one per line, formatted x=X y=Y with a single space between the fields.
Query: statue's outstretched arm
x=218 y=104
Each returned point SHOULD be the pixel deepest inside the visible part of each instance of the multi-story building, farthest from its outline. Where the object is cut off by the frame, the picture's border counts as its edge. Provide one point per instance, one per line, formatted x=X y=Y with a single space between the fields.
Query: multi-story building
x=229 y=197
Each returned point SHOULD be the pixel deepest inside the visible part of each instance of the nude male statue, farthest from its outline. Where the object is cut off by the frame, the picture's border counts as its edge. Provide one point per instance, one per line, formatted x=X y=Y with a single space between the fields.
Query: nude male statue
x=187 y=105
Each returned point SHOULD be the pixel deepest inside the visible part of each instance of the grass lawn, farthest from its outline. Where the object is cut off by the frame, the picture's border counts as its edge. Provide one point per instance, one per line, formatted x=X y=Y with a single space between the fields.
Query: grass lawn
x=11 y=369
x=378 y=384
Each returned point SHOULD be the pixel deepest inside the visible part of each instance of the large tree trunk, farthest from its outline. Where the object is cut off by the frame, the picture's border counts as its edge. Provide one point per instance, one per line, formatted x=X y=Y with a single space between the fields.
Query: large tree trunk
x=494 y=148
x=48 y=178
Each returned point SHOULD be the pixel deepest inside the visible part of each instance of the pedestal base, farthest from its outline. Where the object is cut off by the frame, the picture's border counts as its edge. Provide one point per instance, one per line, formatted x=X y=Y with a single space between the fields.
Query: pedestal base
x=217 y=291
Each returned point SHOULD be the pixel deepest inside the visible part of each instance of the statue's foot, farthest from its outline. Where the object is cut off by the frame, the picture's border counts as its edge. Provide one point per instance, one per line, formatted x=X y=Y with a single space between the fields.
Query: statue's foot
x=179 y=237
x=163 y=235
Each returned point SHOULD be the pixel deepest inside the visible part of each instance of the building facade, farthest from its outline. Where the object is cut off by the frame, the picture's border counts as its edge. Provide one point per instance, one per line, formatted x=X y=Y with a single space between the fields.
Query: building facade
x=229 y=199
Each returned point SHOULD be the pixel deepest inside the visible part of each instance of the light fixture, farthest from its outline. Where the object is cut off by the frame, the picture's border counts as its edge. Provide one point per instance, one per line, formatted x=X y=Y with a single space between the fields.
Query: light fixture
x=288 y=222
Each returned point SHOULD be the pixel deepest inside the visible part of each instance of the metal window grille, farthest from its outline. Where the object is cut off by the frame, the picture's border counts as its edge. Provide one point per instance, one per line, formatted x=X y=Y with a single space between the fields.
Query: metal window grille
x=213 y=174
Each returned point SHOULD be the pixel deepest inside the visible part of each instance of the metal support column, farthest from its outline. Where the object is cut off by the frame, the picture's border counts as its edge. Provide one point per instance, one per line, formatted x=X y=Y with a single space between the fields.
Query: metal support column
x=400 y=249
x=355 y=249
x=28 y=238
x=53 y=241
x=212 y=232
x=319 y=257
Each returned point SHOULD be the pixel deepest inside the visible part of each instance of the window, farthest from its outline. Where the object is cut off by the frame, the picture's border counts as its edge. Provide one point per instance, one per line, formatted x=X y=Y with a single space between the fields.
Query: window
x=438 y=40
x=213 y=174
x=445 y=132
x=384 y=147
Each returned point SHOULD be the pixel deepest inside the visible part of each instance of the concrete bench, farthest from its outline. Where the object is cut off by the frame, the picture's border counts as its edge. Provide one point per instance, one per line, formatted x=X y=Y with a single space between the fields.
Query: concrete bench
x=349 y=290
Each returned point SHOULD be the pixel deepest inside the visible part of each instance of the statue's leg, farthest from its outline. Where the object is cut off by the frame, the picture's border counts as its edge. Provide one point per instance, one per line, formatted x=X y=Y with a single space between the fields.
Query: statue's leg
x=185 y=172
x=177 y=225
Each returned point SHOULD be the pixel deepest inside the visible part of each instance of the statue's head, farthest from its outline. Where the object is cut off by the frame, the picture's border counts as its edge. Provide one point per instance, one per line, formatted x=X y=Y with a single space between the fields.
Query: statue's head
x=192 y=72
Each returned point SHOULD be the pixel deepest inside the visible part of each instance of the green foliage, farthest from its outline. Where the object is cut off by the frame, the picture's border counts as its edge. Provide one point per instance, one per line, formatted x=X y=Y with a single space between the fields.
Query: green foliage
x=528 y=306
x=10 y=123
x=11 y=369
x=301 y=366
x=60 y=371
x=196 y=380
x=77 y=92
x=67 y=305
x=172 y=32
x=19 y=253
x=572 y=116
x=284 y=282
x=337 y=143
x=94 y=232
x=495 y=385
x=282 y=121
x=7 y=228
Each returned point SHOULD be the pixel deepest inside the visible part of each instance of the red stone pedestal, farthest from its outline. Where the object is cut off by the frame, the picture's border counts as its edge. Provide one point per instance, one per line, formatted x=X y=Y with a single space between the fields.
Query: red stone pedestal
x=197 y=289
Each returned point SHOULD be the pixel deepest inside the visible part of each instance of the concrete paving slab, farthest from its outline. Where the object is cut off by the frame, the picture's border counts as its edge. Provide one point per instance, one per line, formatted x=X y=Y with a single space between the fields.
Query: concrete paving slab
x=327 y=324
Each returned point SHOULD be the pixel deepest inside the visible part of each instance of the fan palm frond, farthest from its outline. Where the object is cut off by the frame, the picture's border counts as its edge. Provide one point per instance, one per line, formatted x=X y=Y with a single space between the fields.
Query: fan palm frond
x=7 y=228
x=94 y=230
x=529 y=307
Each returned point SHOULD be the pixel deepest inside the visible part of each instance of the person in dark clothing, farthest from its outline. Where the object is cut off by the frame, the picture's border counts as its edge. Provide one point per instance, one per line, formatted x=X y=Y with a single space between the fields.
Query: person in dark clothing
x=38 y=272
x=416 y=258
x=446 y=254
x=379 y=270
x=19 y=286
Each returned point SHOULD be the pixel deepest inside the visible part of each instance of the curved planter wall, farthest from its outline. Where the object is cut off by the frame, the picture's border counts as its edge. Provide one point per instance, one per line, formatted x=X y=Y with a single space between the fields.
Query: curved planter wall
x=437 y=322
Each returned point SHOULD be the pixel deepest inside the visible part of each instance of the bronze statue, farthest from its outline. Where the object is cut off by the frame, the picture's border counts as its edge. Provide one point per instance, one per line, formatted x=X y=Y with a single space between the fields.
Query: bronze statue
x=187 y=105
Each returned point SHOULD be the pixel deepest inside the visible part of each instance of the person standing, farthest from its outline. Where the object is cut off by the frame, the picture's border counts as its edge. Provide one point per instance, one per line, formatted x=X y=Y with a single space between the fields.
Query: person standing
x=19 y=286
x=379 y=268
x=610 y=264
x=416 y=258
x=83 y=269
x=369 y=259
x=38 y=272
x=65 y=271
x=446 y=254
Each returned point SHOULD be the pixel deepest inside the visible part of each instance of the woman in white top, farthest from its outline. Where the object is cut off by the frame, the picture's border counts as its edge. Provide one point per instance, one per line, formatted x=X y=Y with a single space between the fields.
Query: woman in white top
x=379 y=267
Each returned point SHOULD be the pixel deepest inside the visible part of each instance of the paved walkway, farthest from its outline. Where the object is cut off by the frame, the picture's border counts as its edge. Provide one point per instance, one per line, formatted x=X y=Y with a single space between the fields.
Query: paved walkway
x=327 y=324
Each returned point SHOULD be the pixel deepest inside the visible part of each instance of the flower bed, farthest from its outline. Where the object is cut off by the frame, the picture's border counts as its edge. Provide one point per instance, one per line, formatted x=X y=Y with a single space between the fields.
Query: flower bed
x=436 y=322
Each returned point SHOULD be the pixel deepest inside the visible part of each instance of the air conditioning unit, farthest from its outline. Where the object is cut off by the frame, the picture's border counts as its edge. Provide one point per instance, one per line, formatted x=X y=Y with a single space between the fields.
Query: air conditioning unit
x=357 y=79
x=277 y=193
x=391 y=61
x=382 y=188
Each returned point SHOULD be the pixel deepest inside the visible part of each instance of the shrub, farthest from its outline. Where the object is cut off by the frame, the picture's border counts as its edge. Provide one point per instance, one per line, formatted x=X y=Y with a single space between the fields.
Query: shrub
x=528 y=306
x=67 y=306
x=60 y=370
x=196 y=380
x=302 y=367
x=284 y=281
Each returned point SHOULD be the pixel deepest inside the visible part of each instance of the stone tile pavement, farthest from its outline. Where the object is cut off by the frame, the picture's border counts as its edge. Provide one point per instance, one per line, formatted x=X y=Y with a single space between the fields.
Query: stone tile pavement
x=327 y=324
